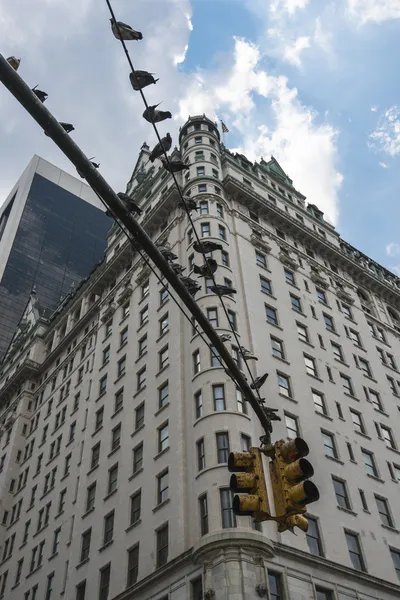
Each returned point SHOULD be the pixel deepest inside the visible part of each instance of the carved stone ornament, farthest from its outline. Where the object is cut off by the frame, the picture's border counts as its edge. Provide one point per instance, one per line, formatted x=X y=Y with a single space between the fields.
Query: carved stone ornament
x=109 y=311
x=209 y=594
x=261 y=589
x=259 y=243
x=345 y=296
x=125 y=293
x=143 y=275
x=319 y=279
x=288 y=260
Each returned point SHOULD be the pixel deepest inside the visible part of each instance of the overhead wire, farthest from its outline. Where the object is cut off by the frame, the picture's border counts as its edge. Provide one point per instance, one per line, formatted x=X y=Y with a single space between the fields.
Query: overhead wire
x=184 y=204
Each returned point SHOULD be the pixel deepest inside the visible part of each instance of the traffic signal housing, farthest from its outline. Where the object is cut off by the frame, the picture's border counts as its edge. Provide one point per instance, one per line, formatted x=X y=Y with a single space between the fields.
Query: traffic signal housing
x=291 y=487
x=249 y=481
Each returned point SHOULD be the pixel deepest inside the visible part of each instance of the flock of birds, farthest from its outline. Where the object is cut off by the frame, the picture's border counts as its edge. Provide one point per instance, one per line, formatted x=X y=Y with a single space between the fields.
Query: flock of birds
x=140 y=80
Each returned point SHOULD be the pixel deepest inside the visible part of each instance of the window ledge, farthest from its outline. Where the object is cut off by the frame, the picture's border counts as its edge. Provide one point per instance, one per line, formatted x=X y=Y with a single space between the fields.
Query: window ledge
x=101 y=395
x=135 y=524
x=92 y=469
x=104 y=365
x=288 y=398
x=268 y=294
x=114 y=451
x=40 y=530
x=299 y=312
x=106 y=545
x=64 y=476
x=369 y=377
x=135 y=474
x=364 y=435
x=390 y=528
x=341 y=362
x=97 y=430
x=69 y=442
x=34 y=571
x=124 y=319
x=59 y=514
x=347 y=510
x=381 y=412
x=53 y=556
x=317 y=412
x=160 y=410
x=274 y=325
x=138 y=392
x=392 y=449
x=156 y=508
x=83 y=562
x=137 y=430
x=375 y=477
x=142 y=326
x=117 y=412
x=315 y=377
x=308 y=343
x=162 y=305
x=88 y=512
x=161 y=453
x=331 y=331
x=122 y=345
x=165 y=367
x=110 y=494
x=162 y=335
x=120 y=377
x=337 y=460
x=351 y=396
x=281 y=359
x=140 y=356
x=293 y=285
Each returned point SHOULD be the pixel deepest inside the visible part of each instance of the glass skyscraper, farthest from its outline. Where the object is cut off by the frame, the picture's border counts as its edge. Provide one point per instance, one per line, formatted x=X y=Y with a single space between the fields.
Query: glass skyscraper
x=52 y=232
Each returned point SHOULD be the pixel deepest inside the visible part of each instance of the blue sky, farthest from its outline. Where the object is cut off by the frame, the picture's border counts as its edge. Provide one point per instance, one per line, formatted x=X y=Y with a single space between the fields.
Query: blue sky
x=312 y=82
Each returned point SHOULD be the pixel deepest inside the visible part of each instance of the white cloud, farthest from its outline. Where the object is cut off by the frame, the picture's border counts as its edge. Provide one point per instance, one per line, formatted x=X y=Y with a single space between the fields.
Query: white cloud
x=374 y=109
x=393 y=249
x=386 y=136
x=383 y=165
x=323 y=38
x=245 y=94
x=292 y=53
x=395 y=269
x=373 y=10
x=278 y=7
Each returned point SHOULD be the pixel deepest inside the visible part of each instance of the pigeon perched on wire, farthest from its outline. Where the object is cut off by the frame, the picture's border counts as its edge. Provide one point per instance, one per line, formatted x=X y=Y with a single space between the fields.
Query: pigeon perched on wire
x=167 y=254
x=222 y=290
x=225 y=337
x=161 y=147
x=188 y=203
x=40 y=94
x=130 y=203
x=177 y=268
x=259 y=382
x=247 y=355
x=141 y=79
x=204 y=270
x=152 y=115
x=122 y=31
x=206 y=247
x=96 y=166
x=173 y=166
x=14 y=62
x=68 y=127
x=191 y=285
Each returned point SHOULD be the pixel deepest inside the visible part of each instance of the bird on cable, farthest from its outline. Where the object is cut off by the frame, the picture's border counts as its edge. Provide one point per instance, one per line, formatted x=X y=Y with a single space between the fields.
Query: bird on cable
x=122 y=31
x=40 y=94
x=247 y=355
x=206 y=247
x=222 y=290
x=130 y=204
x=141 y=79
x=95 y=165
x=225 y=337
x=259 y=382
x=68 y=127
x=163 y=146
x=173 y=166
x=152 y=115
x=208 y=268
x=14 y=62
x=177 y=268
x=191 y=285
x=188 y=203
x=167 y=254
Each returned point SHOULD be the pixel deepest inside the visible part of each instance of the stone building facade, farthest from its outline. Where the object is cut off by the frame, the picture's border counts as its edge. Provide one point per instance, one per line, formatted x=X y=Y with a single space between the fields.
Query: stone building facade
x=117 y=422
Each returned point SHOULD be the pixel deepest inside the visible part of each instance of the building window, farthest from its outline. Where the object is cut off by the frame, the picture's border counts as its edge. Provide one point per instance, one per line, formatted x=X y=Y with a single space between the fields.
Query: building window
x=245 y=442
x=324 y=594
x=142 y=346
x=205 y=229
x=90 y=497
x=198 y=139
x=95 y=456
x=274 y=584
x=112 y=479
x=337 y=351
x=302 y=332
x=220 y=210
x=355 y=337
x=85 y=544
x=284 y=385
x=261 y=260
x=369 y=462
x=347 y=384
x=375 y=399
x=296 y=303
x=108 y=533
x=311 y=368
x=196 y=362
x=388 y=436
x=162 y=487
x=141 y=379
x=221 y=232
x=329 y=444
x=108 y=328
x=200 y=171
x=319 y=402
x=203 y=205
x=215 y=357
x=292 y=426
x=384 y=512
x=265 y=285
x=125 y=310
x=103 y=385
x=271 y=315
x=353 y=544
x=222 y=439
x=201 y=456
x=116 y=437
x=105 y=573
x=163 y=395
x=342 y=496
x=162 y=546
x=357 y=421
x=121 y=366
x=289 y=276
x=139 y=416
x=329 y=324
x=321 y=295
x=364 y=366
x=225 y=258
x=133 y=565
x=138 y=458
x=164 y=295
x=209 y=284
x=106 y=355
x=240 y=402
x=80 y=592
x=163 y=324
x=313 y=537
x=395 y=554
x=219 y=397
x=49 y=586
x=228 y=516
x=212 y=316
x=136 y=501
x=163 y=358
x=198 y=403
x=163 y=438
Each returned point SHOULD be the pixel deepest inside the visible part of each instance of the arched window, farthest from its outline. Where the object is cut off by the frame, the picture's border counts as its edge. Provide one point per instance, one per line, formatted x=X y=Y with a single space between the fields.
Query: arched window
x=365 y=300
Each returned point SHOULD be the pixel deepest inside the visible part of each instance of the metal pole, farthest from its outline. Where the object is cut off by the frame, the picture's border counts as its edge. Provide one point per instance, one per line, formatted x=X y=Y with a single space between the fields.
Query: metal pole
x=21 y=91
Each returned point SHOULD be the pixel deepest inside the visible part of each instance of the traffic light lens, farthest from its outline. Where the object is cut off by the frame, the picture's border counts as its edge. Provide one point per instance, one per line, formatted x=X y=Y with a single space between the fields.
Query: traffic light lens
x=292 y=449
x=311 y=491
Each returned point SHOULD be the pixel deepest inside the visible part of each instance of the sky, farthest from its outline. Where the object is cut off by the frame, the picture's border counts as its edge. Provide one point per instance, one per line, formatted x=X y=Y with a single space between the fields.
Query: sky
x=312 y=82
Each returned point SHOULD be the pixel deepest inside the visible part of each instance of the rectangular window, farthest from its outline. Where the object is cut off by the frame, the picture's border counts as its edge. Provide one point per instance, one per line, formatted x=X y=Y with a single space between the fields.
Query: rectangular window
x=222 y=439
x=163 y=295
x=277 y=348
x=319 y=402
x=162 y=487
x=201 y=457
x=205 y=230
x=329 y=444
x=221 y=232
x=284 y=385
x=116 y=437
x=392 y=385
x=112 y=479
x=85 y=545
x=212 y=316
x=337 y=351
x=121 y=366
x=261 y=260
x=302 y=332
x=49 y=586
x=80 y=591
x=353 y=544
x=106 y=355
x=215 y=359
x=139 y=416
x=292 y=426
x=219 y=397
x=395 y=554
x=355 y=337
x=198 y=403
x=162 y=546
x=197 y=139
x=311 y=368
x=313 y=537
x=321 y=295
x=388 y=436
x=383 y=510
x=228 y=516
x=163 y=395
x=142 y=345
x=103 y=385
x=296 y=303
x=136 y=501
x=201 y=171
x=138 y=458
x=90 y=497
x=364 y=366
x=347 y=384
x=104 y=588
x=203 y=510
x=342 y=496
x=329 y=324
x=265 y=285
x=271 y=315
x=163 y=438
x=196 y=362
x=141 y=379
x=133 y=565
x=108 y=532
x=232 y=319
x=289 y=276
x=225 y=258
x=220 y=210
x=347 y=311
x=240 y=402
x=163 y=358
x=274 y=584
x=369 y=462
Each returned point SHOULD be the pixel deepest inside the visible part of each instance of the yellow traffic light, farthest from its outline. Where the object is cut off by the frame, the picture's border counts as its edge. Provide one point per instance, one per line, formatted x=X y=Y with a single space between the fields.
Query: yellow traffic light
x=289 y=478
x=250 y=482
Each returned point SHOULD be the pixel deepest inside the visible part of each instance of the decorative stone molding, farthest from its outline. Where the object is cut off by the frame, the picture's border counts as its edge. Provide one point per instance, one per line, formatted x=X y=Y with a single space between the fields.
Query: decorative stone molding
x=109 y=311
x=209 y=547
x=209 y=593
x=344 y=295
x=260 y=243
x=143 y=275
x=288 y=260
x=261 y=589
x=126 y=293
x=319 y=279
